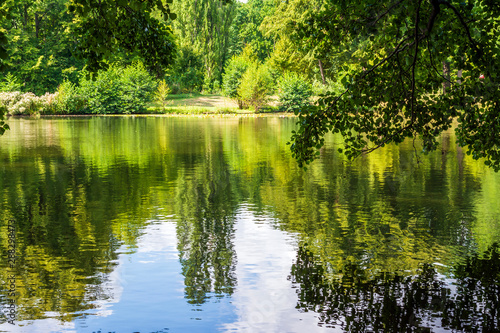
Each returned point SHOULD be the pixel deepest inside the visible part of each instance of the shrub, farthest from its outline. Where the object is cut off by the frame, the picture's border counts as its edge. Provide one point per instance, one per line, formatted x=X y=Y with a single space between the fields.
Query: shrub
x=235 y=69
x=161 y=94
x=9 y=99
x=68 y=99
x=10 y=83
x=136 y=86
x=256 y=84
x=16 y=102
x=293 y=92
x=102 y=92
x=48 y=103
x=118 y=90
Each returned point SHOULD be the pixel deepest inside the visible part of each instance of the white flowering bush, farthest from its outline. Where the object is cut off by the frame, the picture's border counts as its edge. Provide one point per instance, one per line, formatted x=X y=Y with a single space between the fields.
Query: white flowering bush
x=16 y=102
x=9 y=99
x=49 y=103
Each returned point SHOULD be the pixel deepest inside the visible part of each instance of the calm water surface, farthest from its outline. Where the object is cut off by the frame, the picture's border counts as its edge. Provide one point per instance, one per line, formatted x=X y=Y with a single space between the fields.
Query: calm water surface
x=159 y=224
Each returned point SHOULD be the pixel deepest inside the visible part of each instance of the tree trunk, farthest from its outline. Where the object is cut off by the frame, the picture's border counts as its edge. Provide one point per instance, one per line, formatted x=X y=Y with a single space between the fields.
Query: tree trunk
x=37 y=25
x=25 y=16
x=446 y=74
x=322 y=72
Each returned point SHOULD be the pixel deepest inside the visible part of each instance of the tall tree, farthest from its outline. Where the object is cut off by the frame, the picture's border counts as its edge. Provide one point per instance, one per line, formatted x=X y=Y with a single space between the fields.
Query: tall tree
x=129 y=26
x=392 y=55
x=315 y=60
x=245 y=28
x=4 y=15
x=39 y=45
x=205 y=25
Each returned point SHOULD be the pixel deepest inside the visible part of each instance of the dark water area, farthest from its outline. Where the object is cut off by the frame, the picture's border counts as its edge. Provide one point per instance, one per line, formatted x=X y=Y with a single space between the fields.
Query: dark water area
x=206 y=224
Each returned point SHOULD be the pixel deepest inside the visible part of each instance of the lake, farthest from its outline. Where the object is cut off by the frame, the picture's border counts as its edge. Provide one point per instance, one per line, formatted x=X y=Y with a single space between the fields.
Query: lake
x=206 y=224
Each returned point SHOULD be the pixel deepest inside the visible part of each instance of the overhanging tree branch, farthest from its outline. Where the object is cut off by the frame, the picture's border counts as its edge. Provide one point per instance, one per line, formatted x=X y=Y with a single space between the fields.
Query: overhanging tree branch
x=462 y=21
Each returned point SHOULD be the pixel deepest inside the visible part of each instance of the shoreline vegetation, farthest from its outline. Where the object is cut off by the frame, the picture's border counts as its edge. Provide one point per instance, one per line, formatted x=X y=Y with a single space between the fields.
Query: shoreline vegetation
x=206 y=114
x=176 y=105
x=132 y=90
x=192 y=104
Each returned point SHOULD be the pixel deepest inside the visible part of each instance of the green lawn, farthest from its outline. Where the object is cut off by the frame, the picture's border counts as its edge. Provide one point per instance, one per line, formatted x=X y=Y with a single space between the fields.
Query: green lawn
x=194 y=103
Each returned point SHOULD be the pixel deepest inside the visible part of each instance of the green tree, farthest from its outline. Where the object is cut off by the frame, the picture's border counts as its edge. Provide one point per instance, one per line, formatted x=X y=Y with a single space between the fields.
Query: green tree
x=187 y=73
x=205 y=25
x=236 y=67
x=392 y=55
x=289 y=53
x=129 y=26
x=4 y=15
x=256 y=85
x=39 y=45
x=245 y=28
x=294 y=93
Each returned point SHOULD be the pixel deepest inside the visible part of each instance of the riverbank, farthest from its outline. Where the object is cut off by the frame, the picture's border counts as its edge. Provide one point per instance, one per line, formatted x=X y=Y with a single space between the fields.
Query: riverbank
x=180 y=104
x=205 y=104
x=144 y=115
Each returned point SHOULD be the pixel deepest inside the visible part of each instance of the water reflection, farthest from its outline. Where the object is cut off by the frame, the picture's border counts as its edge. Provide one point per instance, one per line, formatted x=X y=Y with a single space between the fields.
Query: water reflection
x=144 y=224
x=205 y=207
x=389 y=302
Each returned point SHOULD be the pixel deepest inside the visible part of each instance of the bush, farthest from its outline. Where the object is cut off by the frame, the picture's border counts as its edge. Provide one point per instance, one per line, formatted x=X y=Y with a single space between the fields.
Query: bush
x=161 y=94
x=293 y=92
x=235 y=69
x=10 y=83
x=232 y=78
x=68 y=99
x=102 y=92
x=136 y=86
x=48 y=103
x=16 y=102
x=118 y=90
x=256 y=84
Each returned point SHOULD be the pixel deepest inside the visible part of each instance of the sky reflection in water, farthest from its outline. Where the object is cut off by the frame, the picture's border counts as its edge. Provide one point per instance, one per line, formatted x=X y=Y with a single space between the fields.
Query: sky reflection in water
x=207 y=225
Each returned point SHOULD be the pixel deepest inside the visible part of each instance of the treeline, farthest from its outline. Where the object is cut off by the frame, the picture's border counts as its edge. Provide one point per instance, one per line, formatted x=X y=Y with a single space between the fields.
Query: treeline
x=242 y=50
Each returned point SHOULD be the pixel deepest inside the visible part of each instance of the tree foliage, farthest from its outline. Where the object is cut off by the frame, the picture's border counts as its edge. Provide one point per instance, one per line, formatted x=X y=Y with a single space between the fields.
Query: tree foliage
x=131 y=26
x=294 y=93
x=392 y=55
x=245 y=30
x=316 y=61
x=118 y=90
x=39 y=45
x=256 y=85
x=205 y=25
x=236 y=67
x=4 y=15
x=188 y=72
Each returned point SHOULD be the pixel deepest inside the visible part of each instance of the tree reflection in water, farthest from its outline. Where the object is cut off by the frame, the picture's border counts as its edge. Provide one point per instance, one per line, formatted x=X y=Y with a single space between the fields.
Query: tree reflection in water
x=206 y=202
x=468 y=300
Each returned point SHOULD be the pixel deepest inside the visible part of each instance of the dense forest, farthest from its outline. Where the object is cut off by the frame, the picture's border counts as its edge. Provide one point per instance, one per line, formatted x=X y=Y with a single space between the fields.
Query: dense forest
x=237 y=49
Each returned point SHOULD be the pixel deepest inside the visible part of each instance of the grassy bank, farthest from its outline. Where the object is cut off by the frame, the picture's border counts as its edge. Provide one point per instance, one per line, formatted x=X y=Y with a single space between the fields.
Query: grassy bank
x=28 y=104
x=200 y=104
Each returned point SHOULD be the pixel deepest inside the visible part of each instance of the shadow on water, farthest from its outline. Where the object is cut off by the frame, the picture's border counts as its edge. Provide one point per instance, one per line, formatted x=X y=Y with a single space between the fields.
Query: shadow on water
x=468 y=301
